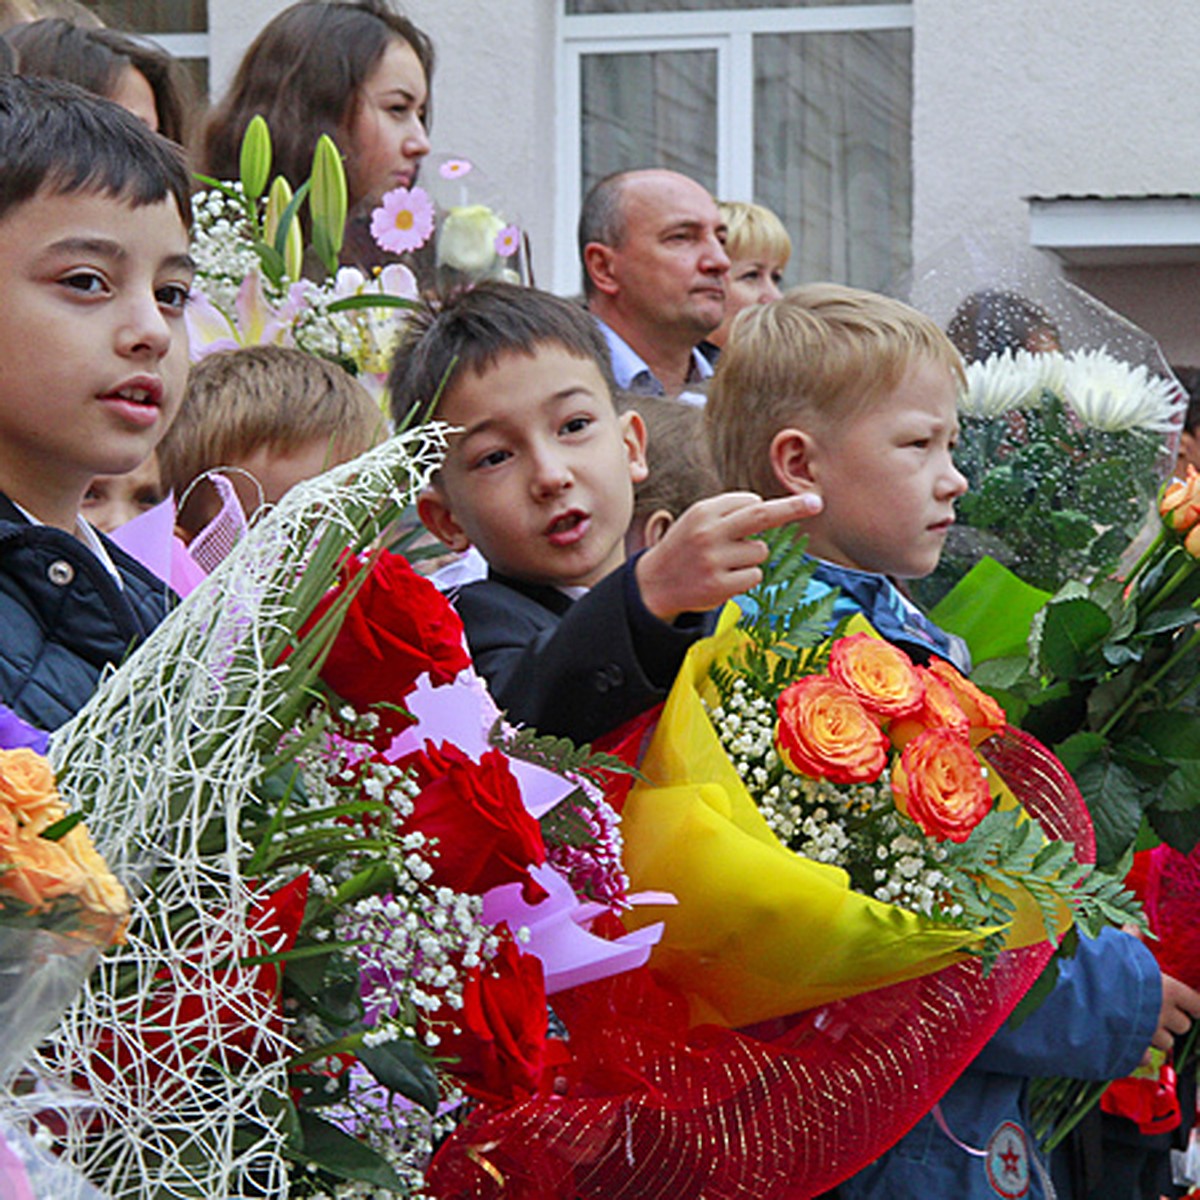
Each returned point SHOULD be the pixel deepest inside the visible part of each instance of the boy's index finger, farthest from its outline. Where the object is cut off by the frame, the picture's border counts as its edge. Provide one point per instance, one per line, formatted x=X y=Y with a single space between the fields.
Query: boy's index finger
x=771 y=514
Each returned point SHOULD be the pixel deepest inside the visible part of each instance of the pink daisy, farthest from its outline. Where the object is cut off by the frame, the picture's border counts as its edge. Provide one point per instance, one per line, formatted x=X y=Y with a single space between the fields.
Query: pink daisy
x=507 y=241
x=454 y=168
x=403 y=221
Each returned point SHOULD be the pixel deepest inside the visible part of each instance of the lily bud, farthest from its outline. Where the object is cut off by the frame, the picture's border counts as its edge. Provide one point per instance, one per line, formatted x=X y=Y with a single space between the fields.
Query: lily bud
x=255 y=162
x=278 y=199
x=328 y=201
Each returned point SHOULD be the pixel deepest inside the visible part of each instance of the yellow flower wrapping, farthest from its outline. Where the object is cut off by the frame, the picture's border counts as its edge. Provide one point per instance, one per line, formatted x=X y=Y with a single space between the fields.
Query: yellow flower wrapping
x=760 y=932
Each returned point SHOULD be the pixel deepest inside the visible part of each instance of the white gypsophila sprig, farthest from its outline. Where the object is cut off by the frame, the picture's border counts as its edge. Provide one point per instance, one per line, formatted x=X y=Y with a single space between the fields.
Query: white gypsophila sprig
x=168 y=749
x=1011 y=380
x=1106 y=393
x=221 y=246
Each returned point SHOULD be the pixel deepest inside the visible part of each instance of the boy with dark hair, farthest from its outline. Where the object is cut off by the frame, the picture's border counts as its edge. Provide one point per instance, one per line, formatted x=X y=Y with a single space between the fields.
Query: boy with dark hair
x=95 y=272
x=572 y=638
x=853 y=396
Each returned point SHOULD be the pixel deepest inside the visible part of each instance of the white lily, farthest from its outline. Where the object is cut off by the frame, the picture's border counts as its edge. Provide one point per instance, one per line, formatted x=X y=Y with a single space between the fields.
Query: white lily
x=256 y=321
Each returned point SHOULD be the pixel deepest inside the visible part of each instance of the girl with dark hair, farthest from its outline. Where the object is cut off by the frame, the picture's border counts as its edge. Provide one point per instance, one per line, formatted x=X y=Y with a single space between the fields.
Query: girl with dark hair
x=132 y=73
x=359 y=72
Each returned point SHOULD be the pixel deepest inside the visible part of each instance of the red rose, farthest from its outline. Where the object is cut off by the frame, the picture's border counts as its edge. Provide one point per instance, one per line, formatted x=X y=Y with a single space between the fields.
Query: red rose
x=941 y=785
x=397 y=628
x=485 y=836
x=500 y=1042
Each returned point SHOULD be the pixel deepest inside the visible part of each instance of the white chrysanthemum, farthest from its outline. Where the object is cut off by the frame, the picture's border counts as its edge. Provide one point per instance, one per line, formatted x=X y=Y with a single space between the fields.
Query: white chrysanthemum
x=1105 y=393
x=1009 y=380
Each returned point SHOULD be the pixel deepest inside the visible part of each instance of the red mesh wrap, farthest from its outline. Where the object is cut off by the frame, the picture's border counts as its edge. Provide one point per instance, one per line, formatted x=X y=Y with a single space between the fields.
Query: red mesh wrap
x=1172 y=896
x=650 y=1110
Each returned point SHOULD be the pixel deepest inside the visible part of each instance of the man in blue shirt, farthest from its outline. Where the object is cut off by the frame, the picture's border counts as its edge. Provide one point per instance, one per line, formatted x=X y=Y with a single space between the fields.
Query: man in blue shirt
x=652 y=245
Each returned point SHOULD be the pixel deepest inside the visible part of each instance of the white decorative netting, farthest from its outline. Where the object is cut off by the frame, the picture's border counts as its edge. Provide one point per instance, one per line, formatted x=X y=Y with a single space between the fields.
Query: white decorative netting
x=175 y=1065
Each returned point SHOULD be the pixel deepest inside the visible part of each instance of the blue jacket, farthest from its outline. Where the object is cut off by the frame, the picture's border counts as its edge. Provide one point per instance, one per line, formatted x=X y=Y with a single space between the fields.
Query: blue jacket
x=63 y=618
x=1095 y=1024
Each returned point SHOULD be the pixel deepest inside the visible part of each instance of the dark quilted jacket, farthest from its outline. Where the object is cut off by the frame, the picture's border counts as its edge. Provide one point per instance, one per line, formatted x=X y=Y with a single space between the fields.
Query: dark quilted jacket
x=63 y=618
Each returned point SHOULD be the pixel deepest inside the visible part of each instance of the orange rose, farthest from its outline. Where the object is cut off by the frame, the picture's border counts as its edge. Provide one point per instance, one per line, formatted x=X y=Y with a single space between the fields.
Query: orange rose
x=102 y=891
x=27 y=787
x=38 y=870
x=985 y=715
x=1179 y=504
x=940 y=710
x=881 y=675
x=941 y=785
x=825 y=733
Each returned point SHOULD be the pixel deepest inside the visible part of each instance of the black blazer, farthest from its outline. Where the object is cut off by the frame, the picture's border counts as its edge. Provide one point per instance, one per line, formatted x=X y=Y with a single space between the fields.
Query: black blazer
x=574 y=668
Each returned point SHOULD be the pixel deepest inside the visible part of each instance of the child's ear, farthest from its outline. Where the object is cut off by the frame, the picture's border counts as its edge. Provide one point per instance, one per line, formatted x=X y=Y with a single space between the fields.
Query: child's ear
x=598 y=262
x=633 y=431
x=657 y=524
x=436 y=516
x=792 y=455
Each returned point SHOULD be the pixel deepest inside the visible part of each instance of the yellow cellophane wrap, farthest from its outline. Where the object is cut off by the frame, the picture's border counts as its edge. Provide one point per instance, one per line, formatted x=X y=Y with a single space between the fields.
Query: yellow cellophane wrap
x=760 y=932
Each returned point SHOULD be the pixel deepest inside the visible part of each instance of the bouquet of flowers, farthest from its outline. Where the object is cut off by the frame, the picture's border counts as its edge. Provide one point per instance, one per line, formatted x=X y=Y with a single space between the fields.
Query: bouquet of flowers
x=1062 y=453
x=780 y=995
x=60 y=906
x=359 y=896
x=257 y=282
x=1069 y=420
x=1104 y=674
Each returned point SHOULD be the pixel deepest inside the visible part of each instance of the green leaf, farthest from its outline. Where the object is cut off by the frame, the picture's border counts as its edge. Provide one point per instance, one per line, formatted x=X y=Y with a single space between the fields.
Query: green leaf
x=991 y=609
x=1001 y=674
x=1080 y=748
x=1115 y=802
x=1165 y=620
x=63 y=826
x=373 y=300
x=1174 y=735
x=1071 y=636
x=401 y=1067
x=342 y=1155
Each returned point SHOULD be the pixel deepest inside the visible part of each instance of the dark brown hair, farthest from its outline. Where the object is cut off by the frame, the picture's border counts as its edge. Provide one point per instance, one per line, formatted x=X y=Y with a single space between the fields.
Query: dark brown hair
x=304 y=73
x=94 y=58
x=469 y=331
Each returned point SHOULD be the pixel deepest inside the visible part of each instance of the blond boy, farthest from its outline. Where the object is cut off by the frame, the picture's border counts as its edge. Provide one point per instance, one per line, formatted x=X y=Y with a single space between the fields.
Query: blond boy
x=853 y=397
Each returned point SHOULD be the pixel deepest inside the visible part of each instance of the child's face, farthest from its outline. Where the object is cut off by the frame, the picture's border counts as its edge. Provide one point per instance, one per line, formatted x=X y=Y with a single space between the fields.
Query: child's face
x=888 y=479
x=541 y=480
x=93 y=351
x=112 y=500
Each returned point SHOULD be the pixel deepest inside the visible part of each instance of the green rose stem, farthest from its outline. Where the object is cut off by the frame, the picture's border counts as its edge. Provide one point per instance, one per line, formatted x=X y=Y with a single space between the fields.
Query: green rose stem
x=1142 y=688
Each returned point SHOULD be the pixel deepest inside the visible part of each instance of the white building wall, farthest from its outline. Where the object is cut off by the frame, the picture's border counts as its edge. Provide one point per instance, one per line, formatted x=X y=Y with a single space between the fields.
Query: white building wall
x=1021 y=98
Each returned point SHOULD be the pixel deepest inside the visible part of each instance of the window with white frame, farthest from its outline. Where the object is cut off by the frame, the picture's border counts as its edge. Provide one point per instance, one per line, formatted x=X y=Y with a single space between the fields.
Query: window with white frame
x=803 y=107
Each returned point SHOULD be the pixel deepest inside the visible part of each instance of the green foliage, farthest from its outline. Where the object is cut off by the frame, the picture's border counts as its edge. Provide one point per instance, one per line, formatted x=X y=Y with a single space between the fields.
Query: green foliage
x=558 y=754
x=787 y=633
x=1008 y=852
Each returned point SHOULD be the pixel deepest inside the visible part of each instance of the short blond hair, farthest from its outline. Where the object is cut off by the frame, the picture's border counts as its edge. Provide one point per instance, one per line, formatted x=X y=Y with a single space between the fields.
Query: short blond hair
x=752 y=231
x=239 y=401
x=820 y=354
